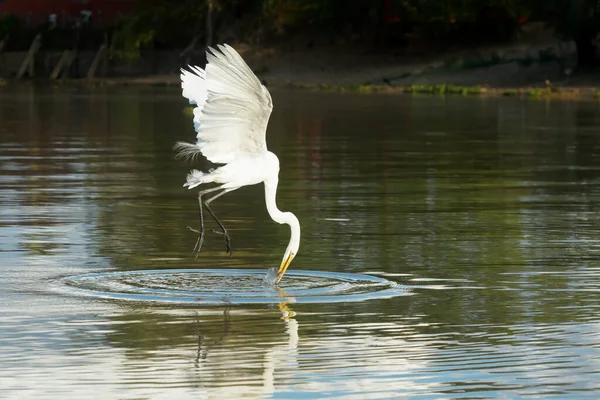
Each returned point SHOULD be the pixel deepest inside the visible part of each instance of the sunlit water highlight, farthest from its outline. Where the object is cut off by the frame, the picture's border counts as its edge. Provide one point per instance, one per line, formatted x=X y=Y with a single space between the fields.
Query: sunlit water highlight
x=232 y=286
x=492 y=202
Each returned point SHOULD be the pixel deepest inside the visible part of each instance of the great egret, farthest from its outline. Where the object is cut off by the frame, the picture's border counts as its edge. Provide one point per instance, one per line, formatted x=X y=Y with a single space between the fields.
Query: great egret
x=231 y=116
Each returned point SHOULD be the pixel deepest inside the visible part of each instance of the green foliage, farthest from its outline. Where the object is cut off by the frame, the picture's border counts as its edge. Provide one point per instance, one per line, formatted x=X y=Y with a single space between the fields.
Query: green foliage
x=573 y=19
x=472 y=90
x=8 y=24
x=443 y=89
x=538 y=92
x=570 y=17
x=427 y=18
x=454 y=89
x=419 y=89
x=510 y=92
x=189 y=110
x=130 y=38
x=169 y=24
x=333 y=15
x=282 y=15
x=157 y=23
x=473 y=19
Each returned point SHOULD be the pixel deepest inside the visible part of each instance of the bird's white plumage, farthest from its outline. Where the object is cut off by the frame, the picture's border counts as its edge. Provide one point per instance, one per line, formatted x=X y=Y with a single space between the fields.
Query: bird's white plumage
x=232 y=108
x=192 y=83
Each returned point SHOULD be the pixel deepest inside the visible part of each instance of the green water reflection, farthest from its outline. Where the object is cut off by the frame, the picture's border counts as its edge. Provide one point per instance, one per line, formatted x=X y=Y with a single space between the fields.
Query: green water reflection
x=492 y=203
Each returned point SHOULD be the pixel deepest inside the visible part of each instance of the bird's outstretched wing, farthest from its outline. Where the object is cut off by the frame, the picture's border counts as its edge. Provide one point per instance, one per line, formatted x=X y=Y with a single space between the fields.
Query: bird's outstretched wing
x=232 y=108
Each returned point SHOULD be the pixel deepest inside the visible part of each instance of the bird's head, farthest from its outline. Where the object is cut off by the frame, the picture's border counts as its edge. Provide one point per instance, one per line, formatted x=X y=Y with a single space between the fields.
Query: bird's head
x=293 y=246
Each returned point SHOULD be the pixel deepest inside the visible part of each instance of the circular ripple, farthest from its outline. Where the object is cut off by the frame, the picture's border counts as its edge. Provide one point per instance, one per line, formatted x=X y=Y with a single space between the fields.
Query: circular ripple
x=232 y=286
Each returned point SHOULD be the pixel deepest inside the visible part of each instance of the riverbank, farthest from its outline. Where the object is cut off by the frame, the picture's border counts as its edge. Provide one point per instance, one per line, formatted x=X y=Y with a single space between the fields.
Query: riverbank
x=538 y=65
x=576 y=87
x=535 y=67
x=550 y=91
x=449 y=89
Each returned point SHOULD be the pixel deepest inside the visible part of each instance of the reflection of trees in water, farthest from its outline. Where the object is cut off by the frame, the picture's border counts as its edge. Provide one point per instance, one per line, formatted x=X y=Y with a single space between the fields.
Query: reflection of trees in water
x=436 y=187
x=445 y=188
x=132 y=181
x=46 y=168
x=448 y=187
x=101 y=155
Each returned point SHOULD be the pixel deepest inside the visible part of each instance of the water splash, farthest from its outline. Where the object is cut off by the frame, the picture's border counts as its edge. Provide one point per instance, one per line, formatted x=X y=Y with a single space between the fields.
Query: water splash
x=270 y=277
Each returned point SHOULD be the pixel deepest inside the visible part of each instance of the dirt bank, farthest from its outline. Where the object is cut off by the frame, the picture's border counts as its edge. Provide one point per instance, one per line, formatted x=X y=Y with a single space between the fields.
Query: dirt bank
x=537 y=66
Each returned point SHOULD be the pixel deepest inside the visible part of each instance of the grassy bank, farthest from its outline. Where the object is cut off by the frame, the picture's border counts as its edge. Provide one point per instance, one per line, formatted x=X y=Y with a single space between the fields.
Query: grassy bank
x=527 y=92
x=550 y=91
x=560 y=92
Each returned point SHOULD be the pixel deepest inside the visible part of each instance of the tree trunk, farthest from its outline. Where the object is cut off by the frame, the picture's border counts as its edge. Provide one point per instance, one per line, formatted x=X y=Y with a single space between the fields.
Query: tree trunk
x=209 y=23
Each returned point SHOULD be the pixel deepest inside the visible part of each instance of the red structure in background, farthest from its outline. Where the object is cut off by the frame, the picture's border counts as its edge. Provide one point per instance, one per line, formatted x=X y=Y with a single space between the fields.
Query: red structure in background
x=36 y=12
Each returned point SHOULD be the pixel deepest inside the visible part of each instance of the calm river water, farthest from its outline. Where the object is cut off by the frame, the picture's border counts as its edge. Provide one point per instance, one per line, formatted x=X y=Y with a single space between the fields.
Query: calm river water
x=484 y=211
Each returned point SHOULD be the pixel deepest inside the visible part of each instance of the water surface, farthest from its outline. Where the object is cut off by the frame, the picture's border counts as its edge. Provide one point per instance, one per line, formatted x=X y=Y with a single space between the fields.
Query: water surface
x=487 y=209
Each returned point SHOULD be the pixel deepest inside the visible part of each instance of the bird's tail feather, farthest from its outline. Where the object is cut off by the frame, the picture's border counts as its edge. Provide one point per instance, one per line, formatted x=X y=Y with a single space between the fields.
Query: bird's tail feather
x=186 y=151
x=196 y=178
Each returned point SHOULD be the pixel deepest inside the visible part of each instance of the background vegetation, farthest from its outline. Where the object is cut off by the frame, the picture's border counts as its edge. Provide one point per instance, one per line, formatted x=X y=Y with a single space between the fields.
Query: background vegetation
x=383 y=22
x=193 y=24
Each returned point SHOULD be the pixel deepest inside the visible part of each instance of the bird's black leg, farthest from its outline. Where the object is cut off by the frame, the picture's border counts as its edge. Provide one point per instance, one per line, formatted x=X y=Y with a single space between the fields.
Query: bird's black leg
x=223 y=230
x=200 y=232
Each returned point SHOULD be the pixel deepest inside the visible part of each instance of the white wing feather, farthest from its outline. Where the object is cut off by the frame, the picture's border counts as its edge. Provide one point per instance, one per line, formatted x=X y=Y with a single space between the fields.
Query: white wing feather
x=232 y=108
x=192 y=83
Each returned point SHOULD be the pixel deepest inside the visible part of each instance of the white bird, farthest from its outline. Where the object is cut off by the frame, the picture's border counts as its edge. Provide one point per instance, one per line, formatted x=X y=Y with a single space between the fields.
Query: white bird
x=231 y=116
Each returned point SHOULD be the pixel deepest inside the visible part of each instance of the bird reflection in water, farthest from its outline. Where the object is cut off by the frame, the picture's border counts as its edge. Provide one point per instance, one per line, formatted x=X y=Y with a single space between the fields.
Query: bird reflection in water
x=286 y=311
x=277 y=357
x=202 y=351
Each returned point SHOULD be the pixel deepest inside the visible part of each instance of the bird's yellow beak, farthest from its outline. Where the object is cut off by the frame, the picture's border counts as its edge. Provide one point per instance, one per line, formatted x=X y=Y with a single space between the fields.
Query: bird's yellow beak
x=284 y=266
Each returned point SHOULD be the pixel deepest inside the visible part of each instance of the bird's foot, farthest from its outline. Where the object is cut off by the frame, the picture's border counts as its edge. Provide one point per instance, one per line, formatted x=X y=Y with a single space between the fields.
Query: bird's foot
x=227 y=240
x=199 y=242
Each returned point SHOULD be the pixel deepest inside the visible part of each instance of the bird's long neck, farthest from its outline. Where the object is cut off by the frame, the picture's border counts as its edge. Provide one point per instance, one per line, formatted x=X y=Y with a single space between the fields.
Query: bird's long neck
x=279 y=216
x=270 y=199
